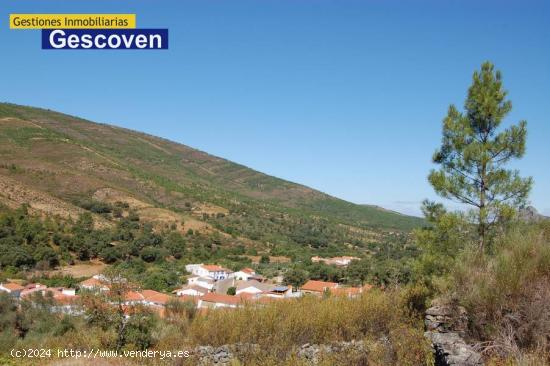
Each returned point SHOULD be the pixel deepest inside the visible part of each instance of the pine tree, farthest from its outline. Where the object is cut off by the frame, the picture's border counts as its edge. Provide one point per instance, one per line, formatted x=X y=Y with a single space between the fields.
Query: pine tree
x=473 y=155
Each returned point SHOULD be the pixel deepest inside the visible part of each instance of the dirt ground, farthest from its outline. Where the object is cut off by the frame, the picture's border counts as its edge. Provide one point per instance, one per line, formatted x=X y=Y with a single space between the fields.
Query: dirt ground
x=82 y=269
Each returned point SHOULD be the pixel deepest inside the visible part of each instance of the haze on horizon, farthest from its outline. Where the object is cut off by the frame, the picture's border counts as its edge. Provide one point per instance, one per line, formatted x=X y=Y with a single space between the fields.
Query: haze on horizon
x=344 y=97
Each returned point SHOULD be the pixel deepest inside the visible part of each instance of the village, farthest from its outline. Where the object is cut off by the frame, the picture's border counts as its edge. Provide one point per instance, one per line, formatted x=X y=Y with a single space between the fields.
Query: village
x=209 y=286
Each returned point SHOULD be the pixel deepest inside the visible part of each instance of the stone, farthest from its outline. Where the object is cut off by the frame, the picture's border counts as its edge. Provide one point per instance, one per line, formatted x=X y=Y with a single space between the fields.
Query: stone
x=446 y=326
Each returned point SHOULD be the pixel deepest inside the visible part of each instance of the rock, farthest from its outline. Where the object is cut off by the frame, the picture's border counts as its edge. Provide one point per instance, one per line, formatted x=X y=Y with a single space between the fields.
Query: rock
x=446 y=318
x=446 y=325
x=530 y=214
x=451 y=350
x=311 y=353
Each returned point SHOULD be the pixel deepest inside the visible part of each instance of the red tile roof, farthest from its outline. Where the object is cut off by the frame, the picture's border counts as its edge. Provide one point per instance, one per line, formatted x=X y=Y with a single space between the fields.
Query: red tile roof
x=133 y=296
x=65 y=299
x=367 y=287
x=59 y=297
x=214 y=268
x=246 y=296
x=248 y=270
x=13 y=286
x=268 y=299
x=32 y=288
x=202 y=290
x=221 y=299
x=156 y=297
x=318 y=286
x=190 y=298
x=93 y=282
x=346 y=291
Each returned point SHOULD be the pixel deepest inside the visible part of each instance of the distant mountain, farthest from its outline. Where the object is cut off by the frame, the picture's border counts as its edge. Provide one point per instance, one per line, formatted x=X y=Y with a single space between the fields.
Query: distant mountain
x=530 y=214
x=58 y=162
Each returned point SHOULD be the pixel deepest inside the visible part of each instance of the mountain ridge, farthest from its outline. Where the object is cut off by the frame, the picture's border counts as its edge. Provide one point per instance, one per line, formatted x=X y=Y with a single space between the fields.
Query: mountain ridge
x=71 y=159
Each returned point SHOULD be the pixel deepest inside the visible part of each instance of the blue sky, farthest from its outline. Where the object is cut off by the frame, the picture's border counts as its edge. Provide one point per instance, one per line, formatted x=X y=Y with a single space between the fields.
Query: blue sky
x=343 y=96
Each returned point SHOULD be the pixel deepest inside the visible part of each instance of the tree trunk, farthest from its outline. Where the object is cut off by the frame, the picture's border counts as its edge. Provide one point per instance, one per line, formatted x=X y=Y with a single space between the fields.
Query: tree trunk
x=482 y=209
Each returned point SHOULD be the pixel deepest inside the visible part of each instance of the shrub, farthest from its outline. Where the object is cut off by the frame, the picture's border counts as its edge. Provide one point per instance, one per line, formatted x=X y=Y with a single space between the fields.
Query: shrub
x=508 y=294
x=152 y=254
x=110 y=255
x=280 y=326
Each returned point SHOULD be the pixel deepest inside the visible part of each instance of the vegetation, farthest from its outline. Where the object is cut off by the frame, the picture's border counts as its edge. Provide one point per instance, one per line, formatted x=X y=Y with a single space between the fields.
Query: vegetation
x=283 y=325
x=504 y=286
x=380 y=319
x=491 y=261
x=508 y=294
x=472 y=155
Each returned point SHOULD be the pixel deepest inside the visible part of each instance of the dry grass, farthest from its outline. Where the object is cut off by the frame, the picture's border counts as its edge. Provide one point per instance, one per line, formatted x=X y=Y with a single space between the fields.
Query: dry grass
x=378 y=318
x=14 y=194
x=508 y=297
x=161 y=217
x=112 y=196
x=272 y=259
x=87 y=269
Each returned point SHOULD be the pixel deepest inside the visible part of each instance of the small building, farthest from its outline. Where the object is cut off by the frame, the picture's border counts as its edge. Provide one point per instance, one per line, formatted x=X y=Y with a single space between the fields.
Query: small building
x=212 y=271
x=205 y=282
x=133 y=298
x=65 y=300
x=146 y=298
x=191 y=268
x=33 y=288
x=12 y=288
x=279 y=291
x=318 y=287
x=94 y=284
x=244 y=274
x=155 y=298
x=191 y=290
x=350 y=292
x=252 y=287
x=213 y=300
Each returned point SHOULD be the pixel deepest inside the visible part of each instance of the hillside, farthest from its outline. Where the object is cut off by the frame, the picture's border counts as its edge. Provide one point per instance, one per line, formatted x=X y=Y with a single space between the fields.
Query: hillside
x=59 y=164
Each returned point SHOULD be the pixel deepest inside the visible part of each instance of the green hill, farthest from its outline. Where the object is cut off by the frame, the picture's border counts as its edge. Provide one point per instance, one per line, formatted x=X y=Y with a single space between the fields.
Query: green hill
x=62 y=165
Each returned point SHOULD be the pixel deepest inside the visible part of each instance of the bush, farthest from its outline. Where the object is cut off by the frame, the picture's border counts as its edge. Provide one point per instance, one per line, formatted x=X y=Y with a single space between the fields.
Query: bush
x=96 y=206
x=152 y=254
x=282 y=325
x=508 y=294
x=110 y=255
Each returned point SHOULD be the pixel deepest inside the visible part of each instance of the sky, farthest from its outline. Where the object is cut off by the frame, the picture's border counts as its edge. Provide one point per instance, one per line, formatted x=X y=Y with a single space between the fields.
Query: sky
x=343 y=96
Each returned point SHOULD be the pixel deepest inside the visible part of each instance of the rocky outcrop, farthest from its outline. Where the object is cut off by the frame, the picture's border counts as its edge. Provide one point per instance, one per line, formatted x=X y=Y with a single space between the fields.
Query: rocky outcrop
x=530 y=214
x=445 y=328
x=446 y=318
x=311 y=353
x=222 y=355
x=314 y=352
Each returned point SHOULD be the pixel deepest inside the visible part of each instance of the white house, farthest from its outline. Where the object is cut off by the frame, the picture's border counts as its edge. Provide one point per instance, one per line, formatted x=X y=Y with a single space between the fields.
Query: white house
x=210 y=270
x=252 y=287
x=68 y=291
x=192 y=290
x=205 y=282
x=279 y=292
x=244 y=274
x=192 y=268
